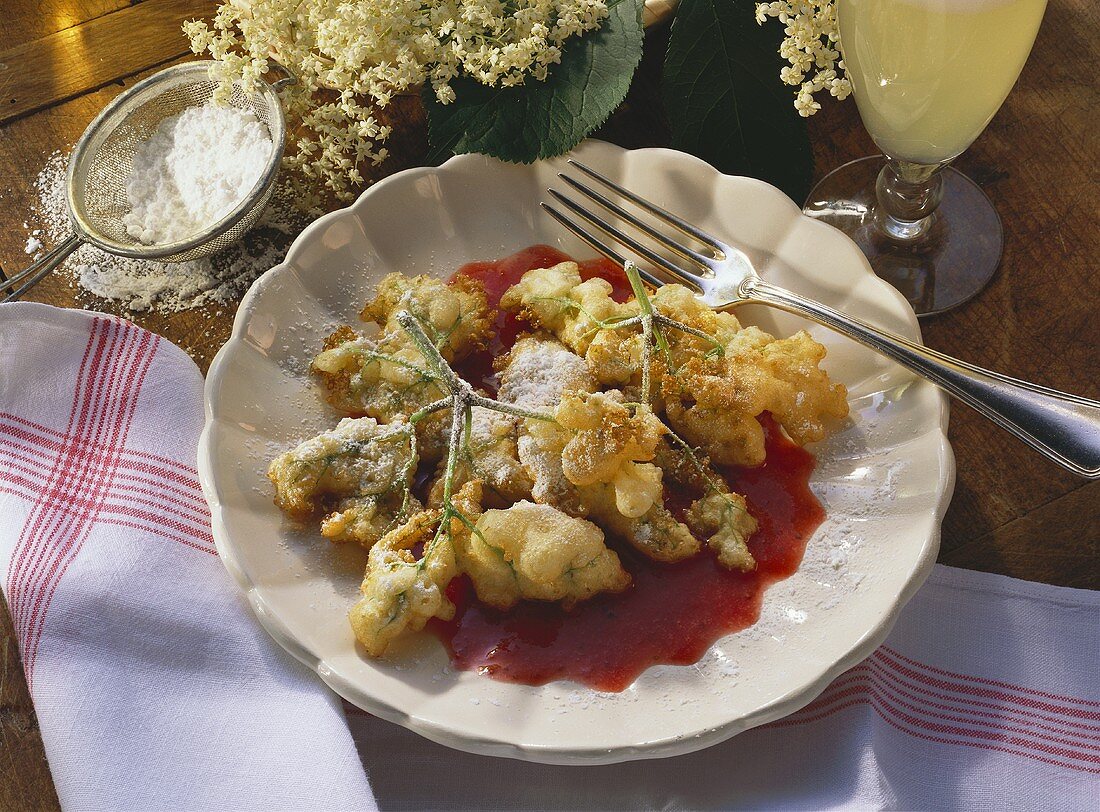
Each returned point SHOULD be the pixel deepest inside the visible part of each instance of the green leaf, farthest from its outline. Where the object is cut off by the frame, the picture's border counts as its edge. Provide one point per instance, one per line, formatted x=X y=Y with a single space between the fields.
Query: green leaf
x=542 y=119
x=725 y=100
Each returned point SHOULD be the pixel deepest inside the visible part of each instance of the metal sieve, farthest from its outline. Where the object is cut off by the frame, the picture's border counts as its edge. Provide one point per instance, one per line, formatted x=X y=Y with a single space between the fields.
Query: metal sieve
x=104 y=156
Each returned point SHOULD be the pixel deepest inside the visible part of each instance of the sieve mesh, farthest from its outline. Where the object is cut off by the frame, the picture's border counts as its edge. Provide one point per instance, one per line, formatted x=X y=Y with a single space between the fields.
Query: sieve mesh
x=103 y=158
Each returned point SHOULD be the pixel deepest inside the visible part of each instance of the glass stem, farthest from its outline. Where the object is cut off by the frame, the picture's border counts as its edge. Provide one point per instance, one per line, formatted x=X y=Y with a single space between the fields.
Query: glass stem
x=907 y=195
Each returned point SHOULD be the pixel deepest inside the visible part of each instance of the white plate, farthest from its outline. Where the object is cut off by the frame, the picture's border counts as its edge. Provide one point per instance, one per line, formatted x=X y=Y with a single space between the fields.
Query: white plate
x=885 y=480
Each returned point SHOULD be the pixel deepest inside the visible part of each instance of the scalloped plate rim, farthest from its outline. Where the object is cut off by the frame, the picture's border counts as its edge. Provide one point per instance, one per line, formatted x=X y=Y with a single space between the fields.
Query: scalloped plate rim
x=796 y=698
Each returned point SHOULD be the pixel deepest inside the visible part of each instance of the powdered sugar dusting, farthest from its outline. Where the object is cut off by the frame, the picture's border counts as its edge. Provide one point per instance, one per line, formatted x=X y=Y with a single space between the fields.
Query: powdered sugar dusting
x=492 y=436
x=195 y=169
x=141 y=285
x=540 y=371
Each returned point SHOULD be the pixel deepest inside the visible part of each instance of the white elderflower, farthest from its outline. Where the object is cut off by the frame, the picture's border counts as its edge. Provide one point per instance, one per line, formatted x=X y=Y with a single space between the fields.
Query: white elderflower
x=351 y=57
x=809 y=45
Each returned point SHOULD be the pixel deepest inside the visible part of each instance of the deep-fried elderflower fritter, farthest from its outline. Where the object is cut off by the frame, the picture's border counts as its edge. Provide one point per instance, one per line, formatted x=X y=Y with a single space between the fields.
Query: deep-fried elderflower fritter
x=806 y=398
x=400 y=593
x=724 y=519
x=383 y=378
x=656 y=533
x=714 y=401
x=537 y=552
x=611 y=443
x=683 y=305
x=606 y=434
x=616 y=356
x=360 y=469
x=556 y=300
x=538 y=373
x=535 y=375
x=455 y=315
x=716 y=514
x=491 y=457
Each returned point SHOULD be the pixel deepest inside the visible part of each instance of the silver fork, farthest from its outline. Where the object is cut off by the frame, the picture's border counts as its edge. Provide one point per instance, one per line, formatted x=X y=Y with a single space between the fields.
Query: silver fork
x=1062 y=427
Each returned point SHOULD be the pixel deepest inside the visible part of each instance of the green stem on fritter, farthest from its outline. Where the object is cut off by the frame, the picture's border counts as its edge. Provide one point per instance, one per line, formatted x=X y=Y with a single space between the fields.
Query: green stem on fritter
x=460 y=398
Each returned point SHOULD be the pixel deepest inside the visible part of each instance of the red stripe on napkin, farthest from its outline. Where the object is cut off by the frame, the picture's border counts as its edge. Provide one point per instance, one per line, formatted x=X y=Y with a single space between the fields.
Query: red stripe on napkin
x=952 y=708
x=889 y=652
x=23 y=443
x=140 y=480
x=112 y=370
x=138 y=490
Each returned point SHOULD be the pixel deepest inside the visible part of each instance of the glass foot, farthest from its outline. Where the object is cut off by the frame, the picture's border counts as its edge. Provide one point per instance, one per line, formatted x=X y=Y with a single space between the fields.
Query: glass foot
x=947 y=264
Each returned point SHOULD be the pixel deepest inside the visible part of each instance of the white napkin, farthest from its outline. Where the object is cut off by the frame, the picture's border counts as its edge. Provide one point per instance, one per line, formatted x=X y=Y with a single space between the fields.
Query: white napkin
x=156 y=689
x=154 y=686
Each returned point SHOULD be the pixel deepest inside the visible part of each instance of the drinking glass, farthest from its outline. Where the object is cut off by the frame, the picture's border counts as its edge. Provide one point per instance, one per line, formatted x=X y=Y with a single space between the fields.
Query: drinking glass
x=927 y=75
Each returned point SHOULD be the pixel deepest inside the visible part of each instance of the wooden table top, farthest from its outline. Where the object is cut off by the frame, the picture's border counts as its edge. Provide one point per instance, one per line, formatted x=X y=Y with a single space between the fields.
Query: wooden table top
x=1012 y=512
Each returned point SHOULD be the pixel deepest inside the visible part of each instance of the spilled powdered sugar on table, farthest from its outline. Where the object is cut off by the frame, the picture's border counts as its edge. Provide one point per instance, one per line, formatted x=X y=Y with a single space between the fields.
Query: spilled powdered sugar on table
x=141 y=286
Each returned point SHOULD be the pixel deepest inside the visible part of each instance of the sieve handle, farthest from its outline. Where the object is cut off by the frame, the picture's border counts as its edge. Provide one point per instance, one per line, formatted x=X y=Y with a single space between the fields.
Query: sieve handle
x=38 y=270
x=289 y=77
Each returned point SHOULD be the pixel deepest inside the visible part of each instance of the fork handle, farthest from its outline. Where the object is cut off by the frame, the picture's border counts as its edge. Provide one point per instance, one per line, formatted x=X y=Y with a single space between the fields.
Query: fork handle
x=1062 y=427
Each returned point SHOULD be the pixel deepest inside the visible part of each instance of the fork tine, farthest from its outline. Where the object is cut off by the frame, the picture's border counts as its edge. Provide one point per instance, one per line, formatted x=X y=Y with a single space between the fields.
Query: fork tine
x=662 y=239
x=662 y=214
x=598 y=245
x=623 y=238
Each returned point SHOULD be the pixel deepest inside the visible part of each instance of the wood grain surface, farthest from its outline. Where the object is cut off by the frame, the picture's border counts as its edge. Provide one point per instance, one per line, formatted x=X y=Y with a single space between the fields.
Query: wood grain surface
x=57 y=67
x=1012 y=513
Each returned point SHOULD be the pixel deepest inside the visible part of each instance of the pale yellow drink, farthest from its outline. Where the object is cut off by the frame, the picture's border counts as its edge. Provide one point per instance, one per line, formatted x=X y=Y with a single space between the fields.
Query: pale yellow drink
x=928 y=75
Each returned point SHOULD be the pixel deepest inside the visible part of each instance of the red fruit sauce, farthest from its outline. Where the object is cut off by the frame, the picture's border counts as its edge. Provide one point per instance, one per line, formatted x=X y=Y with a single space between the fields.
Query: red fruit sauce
x=672 y=612
x=499 y=275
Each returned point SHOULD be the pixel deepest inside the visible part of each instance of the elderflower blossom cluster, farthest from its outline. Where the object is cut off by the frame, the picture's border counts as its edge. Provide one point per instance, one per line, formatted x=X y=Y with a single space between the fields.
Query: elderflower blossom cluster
x=351 y=57
x=809 y=46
